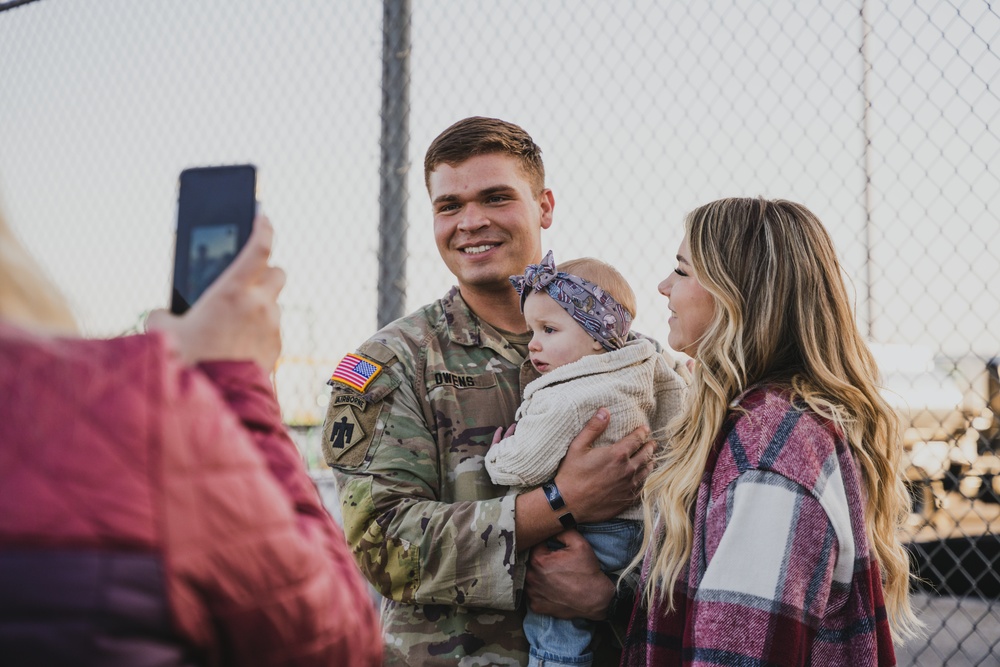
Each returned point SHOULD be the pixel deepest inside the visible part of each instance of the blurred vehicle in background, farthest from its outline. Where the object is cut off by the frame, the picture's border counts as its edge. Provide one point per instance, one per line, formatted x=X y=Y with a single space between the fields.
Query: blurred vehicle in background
x=939 y=439
x=988 y=421
x=949 y=410
x=982 y=480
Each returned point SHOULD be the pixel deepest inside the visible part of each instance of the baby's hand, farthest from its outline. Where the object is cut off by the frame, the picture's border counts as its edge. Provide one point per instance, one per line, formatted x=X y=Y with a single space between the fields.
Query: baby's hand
x=501 y=434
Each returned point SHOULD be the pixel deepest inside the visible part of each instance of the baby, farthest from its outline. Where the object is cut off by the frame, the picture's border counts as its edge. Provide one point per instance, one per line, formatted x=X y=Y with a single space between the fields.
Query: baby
x=580 y=317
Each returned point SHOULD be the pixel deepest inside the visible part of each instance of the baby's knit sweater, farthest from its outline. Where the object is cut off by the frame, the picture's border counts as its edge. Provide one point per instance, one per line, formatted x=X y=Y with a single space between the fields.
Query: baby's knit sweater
x=636 y=384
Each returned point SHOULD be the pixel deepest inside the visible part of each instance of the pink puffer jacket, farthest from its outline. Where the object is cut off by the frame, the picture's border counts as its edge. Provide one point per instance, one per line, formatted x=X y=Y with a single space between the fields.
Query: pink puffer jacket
x=156 y=514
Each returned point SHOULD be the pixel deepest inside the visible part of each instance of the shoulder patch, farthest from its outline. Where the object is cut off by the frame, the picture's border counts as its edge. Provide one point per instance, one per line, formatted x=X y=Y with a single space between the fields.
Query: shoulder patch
x=356 y=372
x=347 y=435
x=350 y=399
x=345 y=431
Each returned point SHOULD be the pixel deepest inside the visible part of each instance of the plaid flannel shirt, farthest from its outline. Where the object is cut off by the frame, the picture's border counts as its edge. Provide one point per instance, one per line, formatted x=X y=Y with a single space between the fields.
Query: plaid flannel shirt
x=781 y=572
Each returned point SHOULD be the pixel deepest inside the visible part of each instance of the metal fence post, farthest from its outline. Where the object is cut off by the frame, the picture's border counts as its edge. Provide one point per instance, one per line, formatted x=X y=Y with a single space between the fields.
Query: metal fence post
x=866 y=69
x=395 y=144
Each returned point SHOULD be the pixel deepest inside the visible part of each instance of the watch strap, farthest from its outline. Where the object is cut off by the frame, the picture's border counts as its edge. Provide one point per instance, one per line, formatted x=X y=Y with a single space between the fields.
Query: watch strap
x=567 y=520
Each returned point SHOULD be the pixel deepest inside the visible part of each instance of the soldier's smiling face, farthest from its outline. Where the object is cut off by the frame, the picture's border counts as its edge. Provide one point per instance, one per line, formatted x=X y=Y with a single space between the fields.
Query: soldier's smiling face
x=488 y=220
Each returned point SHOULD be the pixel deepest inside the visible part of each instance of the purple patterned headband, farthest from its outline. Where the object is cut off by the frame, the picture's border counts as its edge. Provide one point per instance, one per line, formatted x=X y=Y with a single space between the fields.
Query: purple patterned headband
x=601 y=316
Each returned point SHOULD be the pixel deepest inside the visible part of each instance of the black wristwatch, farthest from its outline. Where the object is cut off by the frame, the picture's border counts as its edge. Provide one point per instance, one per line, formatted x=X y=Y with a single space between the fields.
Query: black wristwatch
x=556 y=502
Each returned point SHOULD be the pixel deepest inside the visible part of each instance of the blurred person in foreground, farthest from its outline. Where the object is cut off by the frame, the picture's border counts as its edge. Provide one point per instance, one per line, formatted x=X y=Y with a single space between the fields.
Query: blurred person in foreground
x=412 y=416
x=153 y=510
x=772 y=516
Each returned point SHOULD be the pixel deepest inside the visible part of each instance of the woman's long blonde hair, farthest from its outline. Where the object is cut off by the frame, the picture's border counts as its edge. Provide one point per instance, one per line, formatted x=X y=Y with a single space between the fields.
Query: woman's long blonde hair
x=27 y=297
x=782 y=315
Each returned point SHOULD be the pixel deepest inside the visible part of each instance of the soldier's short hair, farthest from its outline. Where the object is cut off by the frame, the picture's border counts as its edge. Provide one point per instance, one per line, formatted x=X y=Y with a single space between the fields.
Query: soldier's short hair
x=604 y=276
x=482 y=136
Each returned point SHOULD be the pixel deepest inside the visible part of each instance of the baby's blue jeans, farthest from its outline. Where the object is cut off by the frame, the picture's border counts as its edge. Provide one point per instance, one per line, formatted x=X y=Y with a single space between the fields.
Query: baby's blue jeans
x=558 y=642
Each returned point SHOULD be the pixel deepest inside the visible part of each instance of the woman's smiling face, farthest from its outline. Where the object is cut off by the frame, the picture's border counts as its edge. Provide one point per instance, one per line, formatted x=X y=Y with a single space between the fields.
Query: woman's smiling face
x=691 y=306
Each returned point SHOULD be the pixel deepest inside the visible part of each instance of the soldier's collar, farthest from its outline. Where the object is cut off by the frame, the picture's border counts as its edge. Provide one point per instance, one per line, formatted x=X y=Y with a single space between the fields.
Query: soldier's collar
x=463 y=326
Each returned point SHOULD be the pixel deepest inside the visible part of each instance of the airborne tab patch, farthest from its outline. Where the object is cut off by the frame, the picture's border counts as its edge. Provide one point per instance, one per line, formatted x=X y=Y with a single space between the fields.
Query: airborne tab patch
x=350 y=399
x=356 y=372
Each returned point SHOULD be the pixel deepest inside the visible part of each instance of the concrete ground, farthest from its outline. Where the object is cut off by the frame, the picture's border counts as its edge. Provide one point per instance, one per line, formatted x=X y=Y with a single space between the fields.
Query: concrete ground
x=960 y=632
x=958 y=540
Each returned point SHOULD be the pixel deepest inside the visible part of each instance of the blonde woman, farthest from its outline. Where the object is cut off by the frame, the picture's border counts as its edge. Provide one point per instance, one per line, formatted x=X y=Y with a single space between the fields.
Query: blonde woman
x=772 y=515
x=153 y=509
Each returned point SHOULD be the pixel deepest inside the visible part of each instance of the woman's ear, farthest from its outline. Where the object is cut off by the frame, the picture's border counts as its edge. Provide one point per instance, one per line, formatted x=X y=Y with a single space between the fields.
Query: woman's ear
x=596 y=345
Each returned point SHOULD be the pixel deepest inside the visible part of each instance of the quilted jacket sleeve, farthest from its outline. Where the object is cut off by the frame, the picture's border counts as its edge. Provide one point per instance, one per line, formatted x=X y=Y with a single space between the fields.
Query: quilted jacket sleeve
x=259 y=574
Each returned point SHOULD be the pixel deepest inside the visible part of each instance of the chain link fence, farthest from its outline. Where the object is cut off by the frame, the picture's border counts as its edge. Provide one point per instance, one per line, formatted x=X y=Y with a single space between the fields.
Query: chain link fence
x=880 y=115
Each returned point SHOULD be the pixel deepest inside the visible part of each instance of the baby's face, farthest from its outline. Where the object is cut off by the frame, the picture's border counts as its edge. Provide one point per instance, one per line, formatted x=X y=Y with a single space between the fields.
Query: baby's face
x=557 y=339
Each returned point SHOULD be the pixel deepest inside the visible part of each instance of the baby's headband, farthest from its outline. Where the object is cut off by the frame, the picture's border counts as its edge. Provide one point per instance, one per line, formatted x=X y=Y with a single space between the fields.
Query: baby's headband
x=595 y=310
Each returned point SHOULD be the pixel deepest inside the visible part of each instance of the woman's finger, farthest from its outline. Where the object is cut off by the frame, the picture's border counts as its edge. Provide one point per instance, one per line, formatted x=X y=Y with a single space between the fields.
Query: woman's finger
x=254 y=255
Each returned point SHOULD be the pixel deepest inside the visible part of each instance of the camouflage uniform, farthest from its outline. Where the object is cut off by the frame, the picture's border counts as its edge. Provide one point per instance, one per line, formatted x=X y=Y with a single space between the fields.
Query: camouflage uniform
x=426 y=524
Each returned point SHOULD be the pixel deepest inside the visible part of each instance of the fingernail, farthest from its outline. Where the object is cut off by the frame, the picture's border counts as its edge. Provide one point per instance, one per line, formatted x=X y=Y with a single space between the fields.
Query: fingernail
x=602 y=414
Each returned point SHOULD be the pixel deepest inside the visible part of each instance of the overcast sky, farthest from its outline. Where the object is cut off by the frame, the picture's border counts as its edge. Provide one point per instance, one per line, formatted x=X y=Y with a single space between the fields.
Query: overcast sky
x=643 y=110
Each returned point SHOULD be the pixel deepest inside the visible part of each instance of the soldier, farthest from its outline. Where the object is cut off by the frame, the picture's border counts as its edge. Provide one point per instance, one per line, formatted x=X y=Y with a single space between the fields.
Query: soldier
x=413 y=412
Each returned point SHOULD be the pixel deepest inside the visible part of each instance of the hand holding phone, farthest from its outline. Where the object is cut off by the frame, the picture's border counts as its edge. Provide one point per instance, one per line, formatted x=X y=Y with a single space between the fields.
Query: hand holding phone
x=215 y=212
x=237 y=318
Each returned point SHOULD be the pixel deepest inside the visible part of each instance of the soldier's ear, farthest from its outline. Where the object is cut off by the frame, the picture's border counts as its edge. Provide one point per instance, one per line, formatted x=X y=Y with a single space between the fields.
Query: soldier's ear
x=546 y=202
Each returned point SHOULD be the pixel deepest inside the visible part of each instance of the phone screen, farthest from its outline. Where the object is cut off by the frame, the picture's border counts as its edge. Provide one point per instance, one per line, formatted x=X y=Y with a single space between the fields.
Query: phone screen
x=215 y=210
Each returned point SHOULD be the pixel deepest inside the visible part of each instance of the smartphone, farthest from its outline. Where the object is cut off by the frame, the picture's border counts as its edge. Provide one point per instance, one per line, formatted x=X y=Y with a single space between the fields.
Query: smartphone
x=215 y=211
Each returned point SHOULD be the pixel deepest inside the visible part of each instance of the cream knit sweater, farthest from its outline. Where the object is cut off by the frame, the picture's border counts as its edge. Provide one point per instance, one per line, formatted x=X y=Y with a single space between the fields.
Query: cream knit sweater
x=636 y=384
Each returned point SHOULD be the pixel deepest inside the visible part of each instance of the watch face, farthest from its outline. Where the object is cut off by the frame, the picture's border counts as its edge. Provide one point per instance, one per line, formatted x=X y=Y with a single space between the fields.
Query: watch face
x=552 y=494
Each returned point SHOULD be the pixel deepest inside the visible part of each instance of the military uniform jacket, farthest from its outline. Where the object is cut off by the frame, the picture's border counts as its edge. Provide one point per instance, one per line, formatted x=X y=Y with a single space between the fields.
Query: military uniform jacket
x=426 y=525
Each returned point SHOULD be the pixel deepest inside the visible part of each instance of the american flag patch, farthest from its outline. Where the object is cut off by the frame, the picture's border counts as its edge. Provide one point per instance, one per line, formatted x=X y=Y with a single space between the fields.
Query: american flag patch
x=356 y=372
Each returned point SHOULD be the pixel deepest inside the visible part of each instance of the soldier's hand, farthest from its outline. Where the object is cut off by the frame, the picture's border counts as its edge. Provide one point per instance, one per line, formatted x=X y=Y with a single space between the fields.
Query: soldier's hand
x=567 y=582
x=599 y=483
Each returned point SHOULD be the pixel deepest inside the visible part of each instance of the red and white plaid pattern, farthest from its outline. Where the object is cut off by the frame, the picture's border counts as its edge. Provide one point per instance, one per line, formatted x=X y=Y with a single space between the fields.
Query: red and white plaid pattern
x=781 y=572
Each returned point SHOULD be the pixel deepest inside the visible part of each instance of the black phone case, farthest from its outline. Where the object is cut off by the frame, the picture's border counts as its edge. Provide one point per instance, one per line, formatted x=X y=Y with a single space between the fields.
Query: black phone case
x=215 y=211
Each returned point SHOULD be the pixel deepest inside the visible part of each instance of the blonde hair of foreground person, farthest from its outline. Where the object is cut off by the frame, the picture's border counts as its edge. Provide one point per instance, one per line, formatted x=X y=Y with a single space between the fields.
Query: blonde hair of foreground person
x=27 y=297
x=782 y=316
